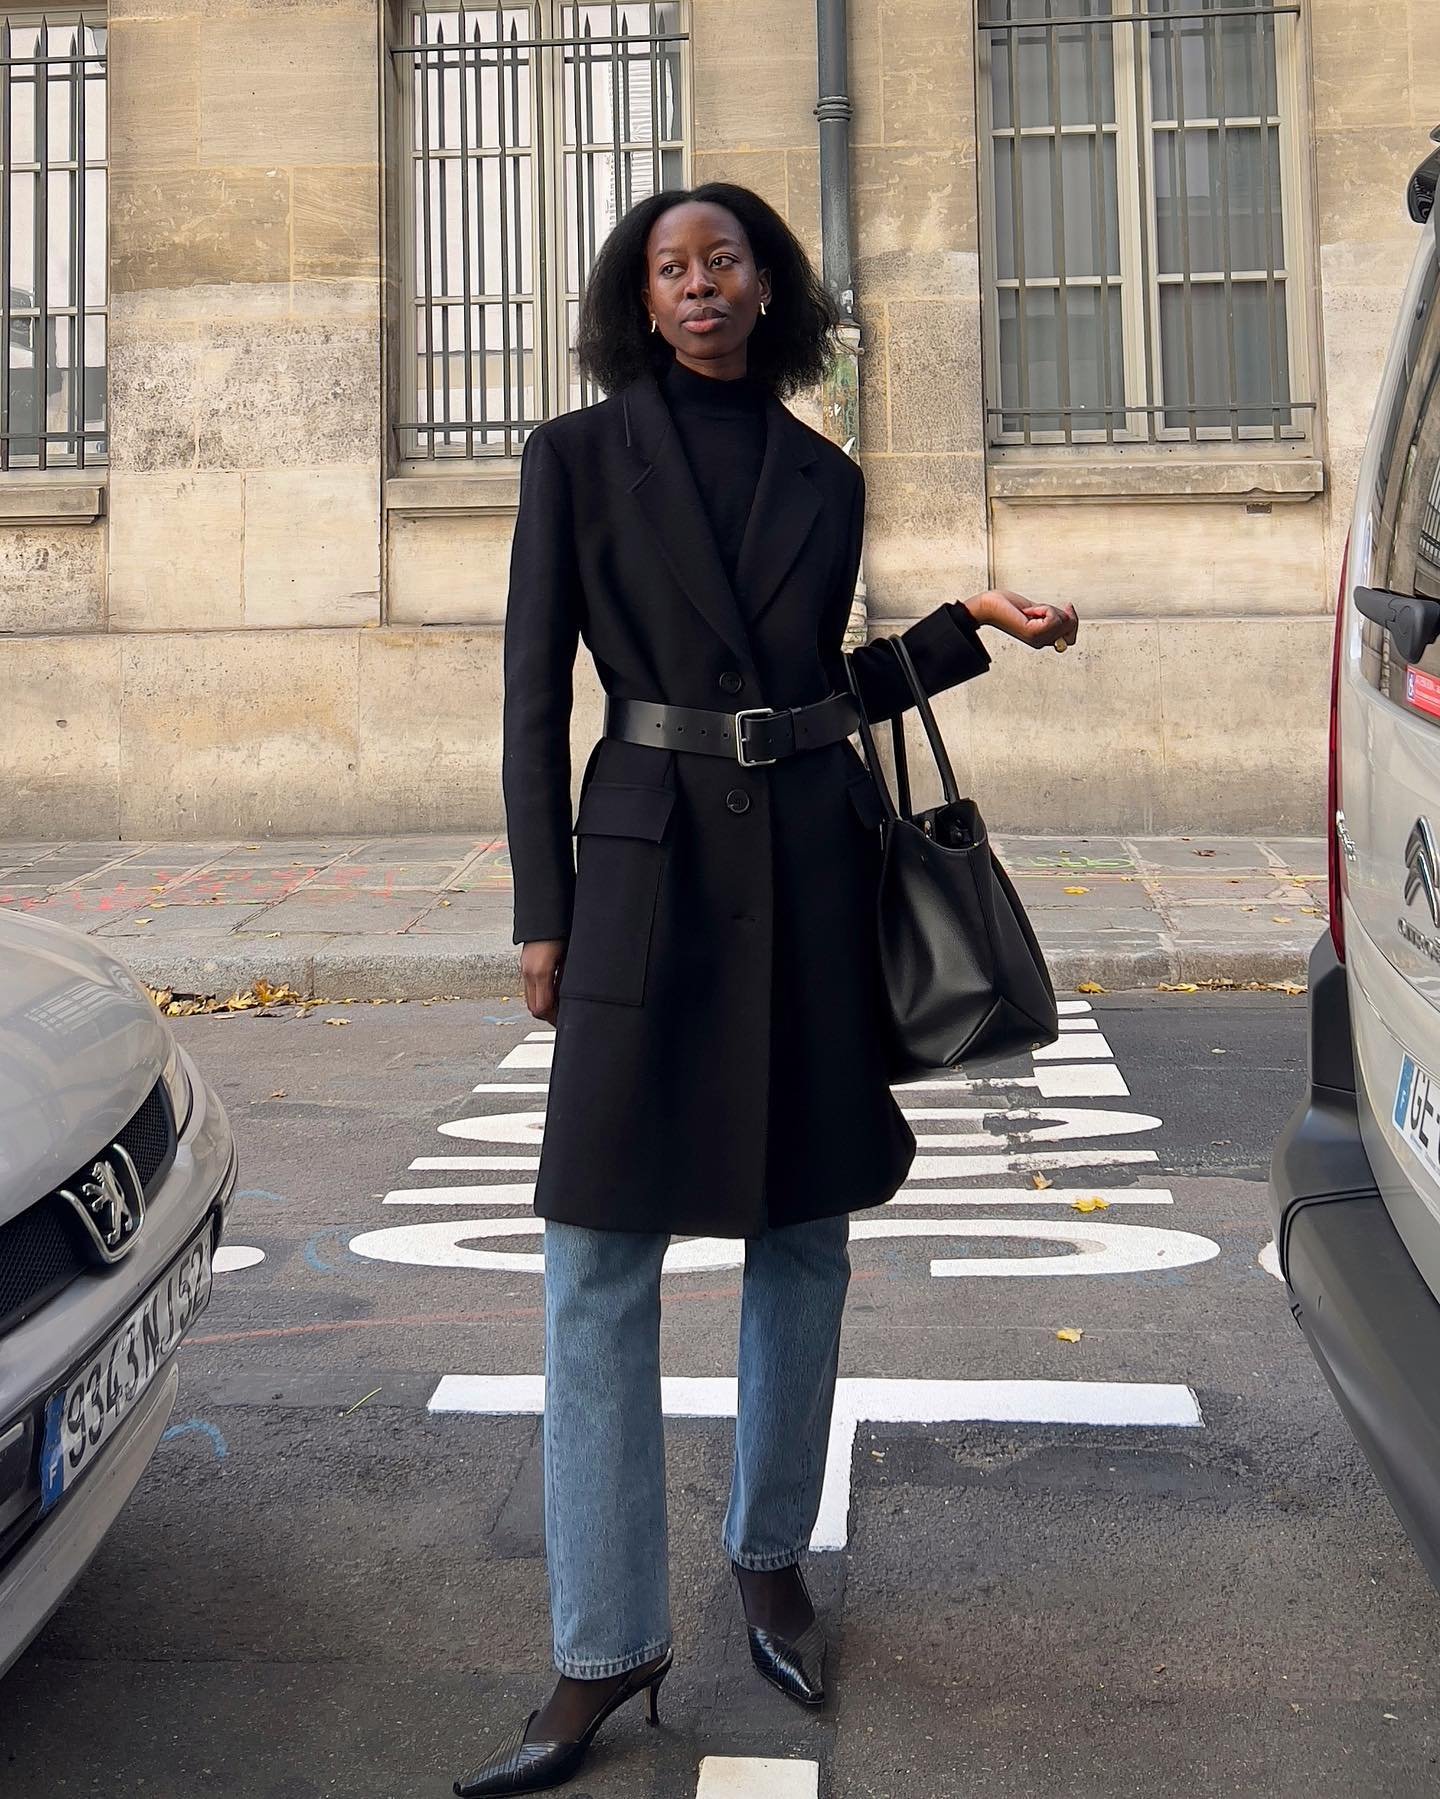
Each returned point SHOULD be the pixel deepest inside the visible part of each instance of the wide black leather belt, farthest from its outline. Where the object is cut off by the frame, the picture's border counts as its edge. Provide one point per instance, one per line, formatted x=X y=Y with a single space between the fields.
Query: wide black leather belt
x=754 y=737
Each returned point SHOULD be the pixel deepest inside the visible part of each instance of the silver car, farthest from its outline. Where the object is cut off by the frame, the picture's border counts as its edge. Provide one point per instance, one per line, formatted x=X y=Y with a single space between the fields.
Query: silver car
x=117 y=1168
x=1356 y=1175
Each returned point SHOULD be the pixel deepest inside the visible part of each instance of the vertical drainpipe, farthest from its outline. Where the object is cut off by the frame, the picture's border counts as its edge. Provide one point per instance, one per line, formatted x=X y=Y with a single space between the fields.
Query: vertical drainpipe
x=840 y=390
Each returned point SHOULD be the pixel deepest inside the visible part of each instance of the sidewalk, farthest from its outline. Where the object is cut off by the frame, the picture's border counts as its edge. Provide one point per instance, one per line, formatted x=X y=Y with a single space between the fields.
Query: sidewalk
x=425 y=916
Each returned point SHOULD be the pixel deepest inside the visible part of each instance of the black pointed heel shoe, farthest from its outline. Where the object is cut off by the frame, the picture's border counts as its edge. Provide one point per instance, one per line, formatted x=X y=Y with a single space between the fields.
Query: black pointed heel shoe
x=796 y=1668
x=521 y=1767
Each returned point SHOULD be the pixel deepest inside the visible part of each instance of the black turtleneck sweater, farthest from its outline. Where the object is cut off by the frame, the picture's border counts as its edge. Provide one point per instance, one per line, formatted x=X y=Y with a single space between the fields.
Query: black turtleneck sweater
x=722 y=429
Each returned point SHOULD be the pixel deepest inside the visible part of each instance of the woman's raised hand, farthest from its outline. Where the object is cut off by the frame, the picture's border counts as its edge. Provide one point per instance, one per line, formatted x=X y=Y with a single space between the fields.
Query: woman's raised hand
x=1038 y=625
x=540 y=970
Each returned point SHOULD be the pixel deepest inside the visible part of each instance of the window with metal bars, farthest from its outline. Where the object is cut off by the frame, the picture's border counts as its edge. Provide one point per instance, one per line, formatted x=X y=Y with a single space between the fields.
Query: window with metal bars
x=1143 y=202
x=528 y=130
x=53 y=238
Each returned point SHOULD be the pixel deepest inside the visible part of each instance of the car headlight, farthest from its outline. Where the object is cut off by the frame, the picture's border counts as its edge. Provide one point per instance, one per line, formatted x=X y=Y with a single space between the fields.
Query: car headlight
x=177 y=1085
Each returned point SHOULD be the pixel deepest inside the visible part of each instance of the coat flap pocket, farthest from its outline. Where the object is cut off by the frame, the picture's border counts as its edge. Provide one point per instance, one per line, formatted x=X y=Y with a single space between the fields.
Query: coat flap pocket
x=867 y=802
x=615 y=809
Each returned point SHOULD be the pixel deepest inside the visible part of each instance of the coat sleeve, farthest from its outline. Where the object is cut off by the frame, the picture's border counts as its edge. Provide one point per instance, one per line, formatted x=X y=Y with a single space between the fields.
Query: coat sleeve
x=945 y=645
x=542 y=632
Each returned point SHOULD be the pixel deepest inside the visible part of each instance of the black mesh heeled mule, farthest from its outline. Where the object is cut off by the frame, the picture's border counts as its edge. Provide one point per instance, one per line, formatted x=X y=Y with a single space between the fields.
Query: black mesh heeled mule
x=796 y=1667
x=520 y=1767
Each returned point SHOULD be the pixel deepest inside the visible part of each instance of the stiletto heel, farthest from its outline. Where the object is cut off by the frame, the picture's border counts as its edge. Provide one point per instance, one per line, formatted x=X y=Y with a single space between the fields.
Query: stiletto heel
x=521 y=1767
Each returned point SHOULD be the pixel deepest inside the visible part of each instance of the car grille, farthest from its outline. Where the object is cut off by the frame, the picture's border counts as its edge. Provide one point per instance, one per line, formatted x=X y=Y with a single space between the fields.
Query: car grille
x=46 y=1247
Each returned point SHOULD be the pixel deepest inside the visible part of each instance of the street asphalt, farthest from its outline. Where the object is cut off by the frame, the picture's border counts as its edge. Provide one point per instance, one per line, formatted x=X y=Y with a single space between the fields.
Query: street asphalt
x=326 y=1589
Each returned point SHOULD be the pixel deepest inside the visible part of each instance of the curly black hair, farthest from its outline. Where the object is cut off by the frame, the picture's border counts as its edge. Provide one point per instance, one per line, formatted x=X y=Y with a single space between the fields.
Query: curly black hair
x=790 y=348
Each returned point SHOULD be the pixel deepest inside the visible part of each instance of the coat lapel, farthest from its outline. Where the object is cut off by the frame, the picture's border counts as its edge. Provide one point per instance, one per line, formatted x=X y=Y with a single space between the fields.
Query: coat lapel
x=665 y=492
x=784 y=513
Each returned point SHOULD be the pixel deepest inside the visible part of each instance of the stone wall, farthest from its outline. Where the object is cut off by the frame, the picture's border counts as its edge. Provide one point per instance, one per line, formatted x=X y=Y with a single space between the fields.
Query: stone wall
x=257 y=623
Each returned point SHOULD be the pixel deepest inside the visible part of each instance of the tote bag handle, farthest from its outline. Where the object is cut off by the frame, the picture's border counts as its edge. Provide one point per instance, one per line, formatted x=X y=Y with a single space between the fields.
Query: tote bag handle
x=897 y=737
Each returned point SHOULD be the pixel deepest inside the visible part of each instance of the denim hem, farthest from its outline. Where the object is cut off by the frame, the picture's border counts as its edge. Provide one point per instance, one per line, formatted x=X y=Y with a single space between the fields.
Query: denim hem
x=603 y=1668
x=765 y=1564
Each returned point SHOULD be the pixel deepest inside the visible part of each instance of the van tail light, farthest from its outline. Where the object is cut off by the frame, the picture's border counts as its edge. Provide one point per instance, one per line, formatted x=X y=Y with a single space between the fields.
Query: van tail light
x=1335 y=814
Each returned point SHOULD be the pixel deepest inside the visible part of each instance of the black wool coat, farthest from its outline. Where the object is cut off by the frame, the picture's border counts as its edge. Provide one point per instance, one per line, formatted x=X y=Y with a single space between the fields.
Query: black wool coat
x=720 y=1061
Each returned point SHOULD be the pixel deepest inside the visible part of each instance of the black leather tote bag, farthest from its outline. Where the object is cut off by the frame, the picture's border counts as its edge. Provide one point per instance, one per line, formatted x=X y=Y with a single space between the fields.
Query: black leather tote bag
x=965 y=980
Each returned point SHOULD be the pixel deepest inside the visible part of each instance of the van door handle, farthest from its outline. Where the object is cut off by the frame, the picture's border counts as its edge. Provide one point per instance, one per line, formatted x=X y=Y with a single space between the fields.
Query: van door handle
x=1413 y=623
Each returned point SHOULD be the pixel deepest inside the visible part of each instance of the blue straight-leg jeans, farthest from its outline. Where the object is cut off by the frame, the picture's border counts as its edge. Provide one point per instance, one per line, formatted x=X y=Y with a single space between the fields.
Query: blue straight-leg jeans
x=605 y=1527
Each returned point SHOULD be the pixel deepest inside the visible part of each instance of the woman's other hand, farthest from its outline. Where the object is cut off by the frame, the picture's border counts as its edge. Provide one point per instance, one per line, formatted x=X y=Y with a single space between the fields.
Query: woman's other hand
x=1039 y=626
x=540 y=970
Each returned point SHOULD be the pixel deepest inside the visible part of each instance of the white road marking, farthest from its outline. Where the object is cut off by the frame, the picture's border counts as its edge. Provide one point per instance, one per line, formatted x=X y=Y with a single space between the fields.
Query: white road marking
x=545 y=1036
x=737 y=1777
x=529 y=1055
x=1097 y=1247
x=1073 y=1049
x=1027 y=1196
x=498 y=1127
x=521 y=1194
x=512 y=1087
x=1064 y=1122
x=1270 y=1259
x=1118 y=1404
x=1082 y=1080
x=1068 y=1008
x=949 y=1167
x=1079 y=1024
x=235 y=1256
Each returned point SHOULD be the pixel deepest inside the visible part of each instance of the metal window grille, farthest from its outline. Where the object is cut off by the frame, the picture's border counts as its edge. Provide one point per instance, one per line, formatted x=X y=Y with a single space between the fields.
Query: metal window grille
x=53 y=239
x=1143 y=177
x=529 y=130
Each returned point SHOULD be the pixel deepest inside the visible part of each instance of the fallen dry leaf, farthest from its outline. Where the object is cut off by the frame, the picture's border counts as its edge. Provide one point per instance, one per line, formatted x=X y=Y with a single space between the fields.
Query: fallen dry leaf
x=1090 y=1202
x=279 y=1093
x=337 y=1021
x=1039 y=1182
x=1204 y=852
x=142 y=921
x=1077 y=889
x=1178 y=987
x=1089 y=987
x=1069 y=1336
x=1280 y=918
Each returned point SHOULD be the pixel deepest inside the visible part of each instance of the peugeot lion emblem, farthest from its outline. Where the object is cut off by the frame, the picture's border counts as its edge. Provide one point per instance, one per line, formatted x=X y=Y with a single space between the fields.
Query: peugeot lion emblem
x=111 y=1201
x=1422 y=869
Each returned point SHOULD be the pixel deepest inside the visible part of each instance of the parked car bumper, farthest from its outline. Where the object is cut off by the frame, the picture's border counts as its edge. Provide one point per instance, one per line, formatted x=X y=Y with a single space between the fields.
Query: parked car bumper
x=1371 y=1321
x=44 y=1351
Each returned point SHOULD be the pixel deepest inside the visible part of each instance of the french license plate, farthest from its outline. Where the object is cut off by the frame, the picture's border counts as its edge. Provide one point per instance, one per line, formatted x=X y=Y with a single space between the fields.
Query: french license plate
x=88 y=1410
x=1417 y=1113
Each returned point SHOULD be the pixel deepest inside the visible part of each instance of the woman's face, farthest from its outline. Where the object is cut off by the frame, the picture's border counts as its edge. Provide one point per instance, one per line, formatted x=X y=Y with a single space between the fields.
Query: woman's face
x=702 y=286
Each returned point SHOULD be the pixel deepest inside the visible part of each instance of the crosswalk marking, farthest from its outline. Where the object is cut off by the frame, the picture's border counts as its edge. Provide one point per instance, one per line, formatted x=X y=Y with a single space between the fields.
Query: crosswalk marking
x=947 y=1167
x=1072 y=1049
x=1020 y=1196
x=736 y=1777
x=529 y=1055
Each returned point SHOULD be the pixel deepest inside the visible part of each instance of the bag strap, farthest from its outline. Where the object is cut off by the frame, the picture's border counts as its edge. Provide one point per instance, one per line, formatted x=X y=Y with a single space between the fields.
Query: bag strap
x=932 y=730
x=867 y=739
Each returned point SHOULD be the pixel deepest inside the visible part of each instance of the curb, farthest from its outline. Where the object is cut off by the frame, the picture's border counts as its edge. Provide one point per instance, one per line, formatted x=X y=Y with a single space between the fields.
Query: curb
x=487 y=966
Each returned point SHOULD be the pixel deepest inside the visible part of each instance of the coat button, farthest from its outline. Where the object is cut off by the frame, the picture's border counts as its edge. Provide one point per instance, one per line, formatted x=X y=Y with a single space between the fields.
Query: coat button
x=738 y=800
x=731 y=682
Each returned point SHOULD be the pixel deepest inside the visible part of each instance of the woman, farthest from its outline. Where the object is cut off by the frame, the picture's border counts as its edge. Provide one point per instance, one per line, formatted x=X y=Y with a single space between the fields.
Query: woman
x=710 y=964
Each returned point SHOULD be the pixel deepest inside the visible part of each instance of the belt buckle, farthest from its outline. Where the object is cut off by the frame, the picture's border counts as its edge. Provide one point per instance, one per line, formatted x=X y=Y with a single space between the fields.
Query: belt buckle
x=740 y=756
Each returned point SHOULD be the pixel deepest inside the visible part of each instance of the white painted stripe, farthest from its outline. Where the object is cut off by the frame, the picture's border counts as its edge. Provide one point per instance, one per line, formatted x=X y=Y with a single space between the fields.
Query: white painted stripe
x=430 y=1164
x=499 y=1195
x=528 y=1055
x=951 y=1167
x=1270 y=1260
x=1067 y=1008
x=545 y=1036
x=1065 y=1122
x=746 y=1777
x=1026 y=1196
x=512 y=1087
x=1073 y=1049
x=1100 y=1247
x=235 y=1256
x=1081 y=1080
x=1118 y=1404
x=964 y=1084
x=497 y=1127
x=1079 y=1024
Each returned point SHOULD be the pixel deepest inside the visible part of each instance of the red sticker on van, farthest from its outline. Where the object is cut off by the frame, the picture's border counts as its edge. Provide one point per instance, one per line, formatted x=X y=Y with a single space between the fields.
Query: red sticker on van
x=1423 y=691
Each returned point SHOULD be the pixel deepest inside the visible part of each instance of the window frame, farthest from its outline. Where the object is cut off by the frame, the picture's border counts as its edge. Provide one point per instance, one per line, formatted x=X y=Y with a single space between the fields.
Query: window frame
x=549 y=227
x=1139 y=281
x=76 y=465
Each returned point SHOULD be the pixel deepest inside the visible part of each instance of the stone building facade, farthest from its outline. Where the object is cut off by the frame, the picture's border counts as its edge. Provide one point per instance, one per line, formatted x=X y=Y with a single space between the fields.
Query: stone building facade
x=268 y=597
